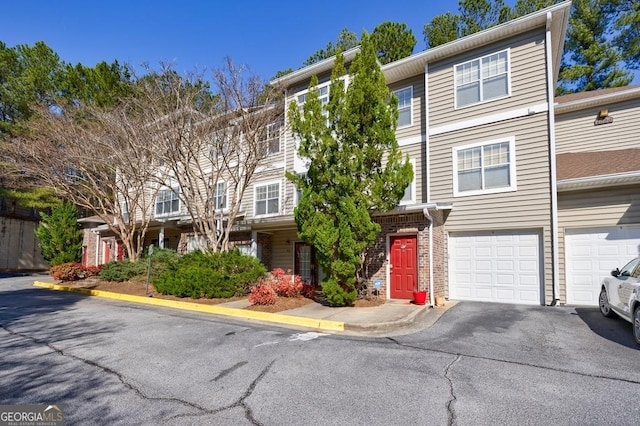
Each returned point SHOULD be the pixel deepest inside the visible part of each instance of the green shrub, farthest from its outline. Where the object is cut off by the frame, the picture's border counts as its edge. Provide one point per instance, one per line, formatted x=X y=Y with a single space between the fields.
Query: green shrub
x=60 y=235
x=212 y=275
x=123 y=271
x=336 y=295
x=161 y=260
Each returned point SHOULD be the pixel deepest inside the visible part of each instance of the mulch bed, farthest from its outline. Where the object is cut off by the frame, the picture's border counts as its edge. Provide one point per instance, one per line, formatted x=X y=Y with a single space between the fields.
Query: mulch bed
x=136 y=288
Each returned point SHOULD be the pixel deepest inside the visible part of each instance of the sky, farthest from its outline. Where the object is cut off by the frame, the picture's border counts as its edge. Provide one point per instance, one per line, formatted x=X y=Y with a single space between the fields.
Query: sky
x=195 y=35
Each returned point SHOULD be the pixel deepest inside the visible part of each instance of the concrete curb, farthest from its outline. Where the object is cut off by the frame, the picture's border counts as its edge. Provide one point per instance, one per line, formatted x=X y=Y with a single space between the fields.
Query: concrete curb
x=389 y=325
x=319 y=324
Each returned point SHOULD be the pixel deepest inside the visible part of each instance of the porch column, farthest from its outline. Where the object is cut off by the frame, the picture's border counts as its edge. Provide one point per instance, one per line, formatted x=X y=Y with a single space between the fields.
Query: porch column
x=254 y=243
x=161 y=237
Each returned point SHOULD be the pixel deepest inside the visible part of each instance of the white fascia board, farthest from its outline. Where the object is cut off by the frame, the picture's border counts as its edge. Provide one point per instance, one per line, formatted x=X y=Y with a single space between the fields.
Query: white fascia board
x=594 y=182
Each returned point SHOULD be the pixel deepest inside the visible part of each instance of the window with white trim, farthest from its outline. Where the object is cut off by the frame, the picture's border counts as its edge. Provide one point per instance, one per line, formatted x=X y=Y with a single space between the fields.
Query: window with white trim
x=410 y=191
x=484 y=168
x=271 y=143
x=167 y=201
x=405 y=110
x=298 y=191
x=482 y=79
x=220 y=196
x=267 y=199
x=323 y=95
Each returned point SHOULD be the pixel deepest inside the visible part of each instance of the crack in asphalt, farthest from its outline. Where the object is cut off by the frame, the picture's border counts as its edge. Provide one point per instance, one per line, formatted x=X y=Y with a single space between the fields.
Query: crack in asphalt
x=452 y=395
x=506 y=361
x=248 y=413
x=202 y=411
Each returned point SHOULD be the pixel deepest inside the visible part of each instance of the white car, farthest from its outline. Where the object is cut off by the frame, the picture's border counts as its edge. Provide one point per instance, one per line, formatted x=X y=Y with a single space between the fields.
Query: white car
x=620 y=295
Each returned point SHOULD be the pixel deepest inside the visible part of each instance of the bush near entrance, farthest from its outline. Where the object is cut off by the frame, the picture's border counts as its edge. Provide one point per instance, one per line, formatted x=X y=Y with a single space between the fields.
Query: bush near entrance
x=211 y=275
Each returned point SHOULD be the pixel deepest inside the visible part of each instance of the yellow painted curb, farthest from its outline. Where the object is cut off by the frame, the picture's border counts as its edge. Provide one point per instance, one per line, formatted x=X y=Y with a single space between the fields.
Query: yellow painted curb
x=198 y=307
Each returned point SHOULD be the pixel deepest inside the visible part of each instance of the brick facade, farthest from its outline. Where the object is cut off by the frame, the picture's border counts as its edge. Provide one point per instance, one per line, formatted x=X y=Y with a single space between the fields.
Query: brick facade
x=410 y=224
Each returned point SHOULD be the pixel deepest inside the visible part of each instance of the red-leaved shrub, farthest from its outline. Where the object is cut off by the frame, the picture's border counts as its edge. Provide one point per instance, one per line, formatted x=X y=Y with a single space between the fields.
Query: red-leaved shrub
x=71 y=271
x=262 y=294
x=92 y=271
x=277 y=283
x=308 y=291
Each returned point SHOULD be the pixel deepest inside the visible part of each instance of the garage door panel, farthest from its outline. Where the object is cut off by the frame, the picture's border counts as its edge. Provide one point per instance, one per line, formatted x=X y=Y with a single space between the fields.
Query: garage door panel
x=482 y=293
x=502 y=279
x=504 y=267
x=529 y=265
x=591 y=254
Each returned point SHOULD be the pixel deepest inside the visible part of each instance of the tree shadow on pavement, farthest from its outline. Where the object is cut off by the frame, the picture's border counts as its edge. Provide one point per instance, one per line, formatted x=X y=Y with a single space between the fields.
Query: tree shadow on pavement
x=49 y=355
x=614 y=329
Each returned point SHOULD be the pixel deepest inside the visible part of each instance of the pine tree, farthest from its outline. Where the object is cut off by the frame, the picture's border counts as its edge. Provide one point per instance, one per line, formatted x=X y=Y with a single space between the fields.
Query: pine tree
x=355 y=169
x=60 y=235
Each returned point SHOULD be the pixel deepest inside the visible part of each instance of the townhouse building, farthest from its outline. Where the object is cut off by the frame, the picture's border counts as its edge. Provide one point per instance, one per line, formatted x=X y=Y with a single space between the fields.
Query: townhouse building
x=509 y=182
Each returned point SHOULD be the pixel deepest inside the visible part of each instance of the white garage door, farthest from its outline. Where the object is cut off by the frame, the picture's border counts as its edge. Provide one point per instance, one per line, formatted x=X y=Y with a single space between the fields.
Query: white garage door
x=500 y=267
x=592 y=254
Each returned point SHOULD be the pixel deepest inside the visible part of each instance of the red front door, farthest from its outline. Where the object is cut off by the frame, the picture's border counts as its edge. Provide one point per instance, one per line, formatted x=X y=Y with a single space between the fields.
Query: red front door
x=404 y=271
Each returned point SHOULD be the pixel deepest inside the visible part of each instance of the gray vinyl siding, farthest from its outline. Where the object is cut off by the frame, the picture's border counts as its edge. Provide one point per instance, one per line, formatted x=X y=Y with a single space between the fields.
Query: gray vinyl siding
x=527 y=208
x=528 y=81
x=416 y=153
x=276 y=176
x=575 y=131
x=282 y=248
x=594 y=209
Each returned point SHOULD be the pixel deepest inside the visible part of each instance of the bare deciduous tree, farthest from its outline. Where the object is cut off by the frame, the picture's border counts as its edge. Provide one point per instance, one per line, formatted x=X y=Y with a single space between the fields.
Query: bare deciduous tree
x=98 y=159
x=170 y=131
x=211 y=146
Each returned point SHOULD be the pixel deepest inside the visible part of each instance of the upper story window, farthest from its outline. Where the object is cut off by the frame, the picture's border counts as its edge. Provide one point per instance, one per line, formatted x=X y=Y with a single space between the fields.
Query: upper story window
x=267 y=199
x=167 y=201
x=484 y=168
x=410 y=191
x=323 y=94
x=482 y=79
x=298 y=191
x=405 y=110
x=220 y=196
x=272 y=139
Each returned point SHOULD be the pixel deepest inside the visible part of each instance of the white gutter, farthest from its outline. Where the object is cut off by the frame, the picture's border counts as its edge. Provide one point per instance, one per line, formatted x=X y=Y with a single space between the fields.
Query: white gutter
x=593 y=182
x=555 y=267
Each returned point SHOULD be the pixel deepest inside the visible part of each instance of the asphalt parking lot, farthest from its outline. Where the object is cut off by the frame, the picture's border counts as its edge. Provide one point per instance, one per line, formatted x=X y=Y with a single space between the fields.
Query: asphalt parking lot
x=107 y=362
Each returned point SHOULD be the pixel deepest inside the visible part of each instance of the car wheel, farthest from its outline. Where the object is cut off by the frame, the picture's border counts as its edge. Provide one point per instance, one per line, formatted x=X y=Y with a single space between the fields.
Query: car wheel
x=605 y=308
x=636 y=324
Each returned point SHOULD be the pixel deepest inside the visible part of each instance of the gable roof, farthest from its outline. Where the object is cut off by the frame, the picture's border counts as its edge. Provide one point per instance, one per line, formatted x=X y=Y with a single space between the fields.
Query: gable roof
x=555 y=18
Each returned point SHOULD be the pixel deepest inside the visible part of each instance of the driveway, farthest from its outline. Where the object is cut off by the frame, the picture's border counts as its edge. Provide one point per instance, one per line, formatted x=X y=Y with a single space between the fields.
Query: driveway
x=107 y=362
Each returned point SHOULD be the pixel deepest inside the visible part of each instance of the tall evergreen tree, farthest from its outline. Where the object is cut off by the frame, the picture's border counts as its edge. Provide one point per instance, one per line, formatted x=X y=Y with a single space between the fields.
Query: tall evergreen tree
x=591 y=61
x=393 y=41
x=355 y=169
x=346 y=40
x=60 y=235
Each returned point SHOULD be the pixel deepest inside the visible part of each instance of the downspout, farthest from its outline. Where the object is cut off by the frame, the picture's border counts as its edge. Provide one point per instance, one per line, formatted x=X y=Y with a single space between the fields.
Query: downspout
x=425 y=211
x=552 y=166
x=284 y=137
